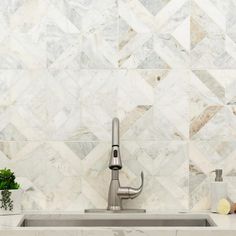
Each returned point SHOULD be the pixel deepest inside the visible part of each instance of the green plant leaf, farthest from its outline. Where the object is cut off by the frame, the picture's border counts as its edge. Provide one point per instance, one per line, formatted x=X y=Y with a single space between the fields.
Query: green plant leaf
x=7 y=180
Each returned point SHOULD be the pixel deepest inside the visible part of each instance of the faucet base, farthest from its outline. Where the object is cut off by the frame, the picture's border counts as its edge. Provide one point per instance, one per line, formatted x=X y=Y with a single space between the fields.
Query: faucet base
x=115 y=211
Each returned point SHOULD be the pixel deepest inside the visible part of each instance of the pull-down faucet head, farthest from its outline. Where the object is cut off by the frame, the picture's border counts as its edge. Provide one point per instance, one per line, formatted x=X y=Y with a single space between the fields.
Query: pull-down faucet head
x=115 y=160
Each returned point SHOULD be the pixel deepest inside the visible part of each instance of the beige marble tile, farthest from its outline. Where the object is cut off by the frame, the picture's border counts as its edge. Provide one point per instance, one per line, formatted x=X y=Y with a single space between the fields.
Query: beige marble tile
x=212 y=97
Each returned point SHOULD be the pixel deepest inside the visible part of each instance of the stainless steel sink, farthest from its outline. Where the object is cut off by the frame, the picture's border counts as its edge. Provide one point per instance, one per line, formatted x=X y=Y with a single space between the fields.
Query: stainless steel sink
x=177 y=220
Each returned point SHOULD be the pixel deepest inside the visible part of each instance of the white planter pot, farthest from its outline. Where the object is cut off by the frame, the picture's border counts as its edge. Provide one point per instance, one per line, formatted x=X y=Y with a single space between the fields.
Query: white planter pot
x=16 y=197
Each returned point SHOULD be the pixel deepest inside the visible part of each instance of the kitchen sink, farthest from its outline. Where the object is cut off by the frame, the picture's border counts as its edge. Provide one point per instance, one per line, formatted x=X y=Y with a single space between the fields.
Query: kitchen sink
x=120 y=220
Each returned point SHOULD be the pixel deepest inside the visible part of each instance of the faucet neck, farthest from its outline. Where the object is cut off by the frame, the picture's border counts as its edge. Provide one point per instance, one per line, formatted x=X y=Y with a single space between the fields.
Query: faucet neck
x=115 y=159
x=115 y=174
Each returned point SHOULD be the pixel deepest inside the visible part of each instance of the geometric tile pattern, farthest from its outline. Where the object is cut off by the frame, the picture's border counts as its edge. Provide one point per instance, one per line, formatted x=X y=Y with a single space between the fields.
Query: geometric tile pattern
x=166 y=68
x=150 y=34
x=212 y=105
x=212 y=45
x=71 y=175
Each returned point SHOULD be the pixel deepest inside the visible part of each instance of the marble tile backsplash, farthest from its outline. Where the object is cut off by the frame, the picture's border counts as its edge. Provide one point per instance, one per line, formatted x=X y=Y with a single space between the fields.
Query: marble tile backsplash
x=166 y=68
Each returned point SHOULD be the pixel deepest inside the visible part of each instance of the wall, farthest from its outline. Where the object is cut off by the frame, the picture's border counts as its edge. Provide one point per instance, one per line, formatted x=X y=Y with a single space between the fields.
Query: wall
x=166 y=68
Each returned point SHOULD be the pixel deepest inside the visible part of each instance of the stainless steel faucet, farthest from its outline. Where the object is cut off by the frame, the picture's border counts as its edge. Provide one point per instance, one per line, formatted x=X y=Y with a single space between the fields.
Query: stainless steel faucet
x=116 y=192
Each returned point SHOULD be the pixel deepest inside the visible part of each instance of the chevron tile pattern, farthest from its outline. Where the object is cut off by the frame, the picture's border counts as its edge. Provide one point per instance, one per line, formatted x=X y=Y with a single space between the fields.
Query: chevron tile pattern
x=74 y=175
x=212 y=42
x=166 y=68
x=212 y=105
x=150 y=34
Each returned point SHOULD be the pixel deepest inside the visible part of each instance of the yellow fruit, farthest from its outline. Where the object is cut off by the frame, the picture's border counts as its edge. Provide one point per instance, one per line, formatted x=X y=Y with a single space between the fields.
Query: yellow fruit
x=223 y=207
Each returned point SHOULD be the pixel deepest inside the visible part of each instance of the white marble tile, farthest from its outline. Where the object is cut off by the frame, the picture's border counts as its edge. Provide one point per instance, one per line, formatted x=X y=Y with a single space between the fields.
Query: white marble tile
x=165 y=169
x=167 y=118
x=22 y=51
x=212 y=45
x=95 y=46
x=212 y=98
x=76 y=175
x=40 y=105
x=138 y=98
x=151 y=35
x=35 y=121
x=52 y=170
x=23 y=42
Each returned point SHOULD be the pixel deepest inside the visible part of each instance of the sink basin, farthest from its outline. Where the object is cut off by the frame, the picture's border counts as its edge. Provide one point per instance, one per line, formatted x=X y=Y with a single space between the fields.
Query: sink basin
x=120 y=220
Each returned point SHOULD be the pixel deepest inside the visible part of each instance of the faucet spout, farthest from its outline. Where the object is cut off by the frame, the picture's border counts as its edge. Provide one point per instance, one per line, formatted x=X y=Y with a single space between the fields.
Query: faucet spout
x=115 y=132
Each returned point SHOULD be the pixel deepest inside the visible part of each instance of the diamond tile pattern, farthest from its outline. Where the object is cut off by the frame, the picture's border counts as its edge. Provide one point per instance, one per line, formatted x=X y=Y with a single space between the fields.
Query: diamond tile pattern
x=166 y=68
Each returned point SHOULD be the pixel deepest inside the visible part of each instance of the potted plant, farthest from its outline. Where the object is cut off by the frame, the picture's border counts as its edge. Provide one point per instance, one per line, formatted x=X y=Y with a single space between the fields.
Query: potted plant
x=10 y=193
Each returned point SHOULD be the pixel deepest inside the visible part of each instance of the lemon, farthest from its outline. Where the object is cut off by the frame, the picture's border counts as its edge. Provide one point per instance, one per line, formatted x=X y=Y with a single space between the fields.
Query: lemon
x=223 y=206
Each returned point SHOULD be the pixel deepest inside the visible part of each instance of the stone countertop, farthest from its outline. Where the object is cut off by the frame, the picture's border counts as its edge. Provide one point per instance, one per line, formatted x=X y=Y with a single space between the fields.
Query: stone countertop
x=222 y=222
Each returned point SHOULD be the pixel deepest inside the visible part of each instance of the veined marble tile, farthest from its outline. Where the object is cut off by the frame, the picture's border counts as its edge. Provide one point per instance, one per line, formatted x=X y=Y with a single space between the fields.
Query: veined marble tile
x=205 y=157
x=138 y=98
x=98 y=102
x=211 y=45
x=63 y=49
x=60 y=88
x=75 y=175
x=165 y=167
x=231 y=19
x=100 y=34
x=122 y=93
x=18 y=20
x=152 y=36
x=40 y=105
x=12 y=84
x=212 y=97
x=97 y=23
x=231 y=29
x=41 y=121
x=97 y=52
x=156 y=157
x=55 y=181
x=167 y=119
x=23 y=42
x=64 y=40
x=23 y=86
x=22 y=51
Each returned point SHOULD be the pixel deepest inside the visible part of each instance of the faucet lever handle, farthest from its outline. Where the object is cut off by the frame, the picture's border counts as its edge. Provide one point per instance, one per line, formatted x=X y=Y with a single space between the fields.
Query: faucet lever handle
x=142 y=180
x=129 y=192
x=134 y=192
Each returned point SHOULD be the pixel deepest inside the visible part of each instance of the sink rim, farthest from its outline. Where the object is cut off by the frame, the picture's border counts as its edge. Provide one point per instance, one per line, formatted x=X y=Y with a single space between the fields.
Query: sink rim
x=120 y=216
